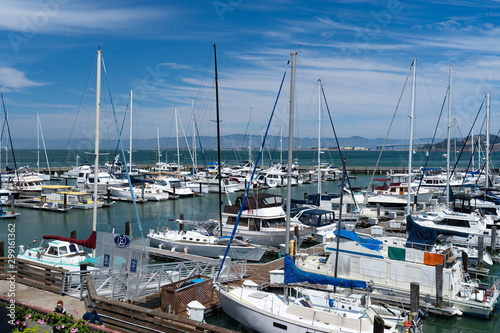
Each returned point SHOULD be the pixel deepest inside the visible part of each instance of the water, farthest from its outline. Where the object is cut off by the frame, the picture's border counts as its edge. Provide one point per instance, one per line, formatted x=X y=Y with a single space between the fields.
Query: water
x=33 y=223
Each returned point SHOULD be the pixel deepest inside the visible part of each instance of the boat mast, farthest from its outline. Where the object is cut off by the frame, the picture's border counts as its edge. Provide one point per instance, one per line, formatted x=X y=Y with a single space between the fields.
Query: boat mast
x=177 y=139
x=410 y=148
x=487 y=168
x=195 y=162
x=319 y=138
x=158 y=140
x=219 y=167
x=97 y=126
x=290 y=158
x=130 y=154
x=448 y=143
x=37 y=143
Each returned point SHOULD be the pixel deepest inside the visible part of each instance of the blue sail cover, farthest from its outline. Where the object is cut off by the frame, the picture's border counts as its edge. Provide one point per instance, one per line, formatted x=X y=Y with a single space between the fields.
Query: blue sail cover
x=369 y=243
x=421 y=235
x=294 y=274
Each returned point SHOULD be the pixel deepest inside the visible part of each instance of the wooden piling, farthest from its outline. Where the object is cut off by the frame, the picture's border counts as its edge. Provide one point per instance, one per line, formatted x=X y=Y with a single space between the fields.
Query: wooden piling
x=439 y=285
x=127 y=228
x=465 y=261
x=73 y=234
x=2 y=249
x=378 y=325
x=480 y=249
x=414 y=296
x=65 y=202
x=493 y=239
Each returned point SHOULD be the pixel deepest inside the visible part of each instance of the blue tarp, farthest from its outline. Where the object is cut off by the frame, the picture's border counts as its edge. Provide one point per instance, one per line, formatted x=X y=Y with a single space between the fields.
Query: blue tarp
x=294 y=274
x=420 y=235
x=369 y=243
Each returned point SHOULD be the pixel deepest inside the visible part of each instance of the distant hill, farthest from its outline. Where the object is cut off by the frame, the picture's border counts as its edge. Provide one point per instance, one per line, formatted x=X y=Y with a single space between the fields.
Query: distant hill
x=238 y=141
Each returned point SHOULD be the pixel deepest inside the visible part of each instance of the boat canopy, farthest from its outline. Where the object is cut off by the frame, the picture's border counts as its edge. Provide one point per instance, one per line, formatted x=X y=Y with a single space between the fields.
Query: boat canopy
x=369 y=243
x=88 y=243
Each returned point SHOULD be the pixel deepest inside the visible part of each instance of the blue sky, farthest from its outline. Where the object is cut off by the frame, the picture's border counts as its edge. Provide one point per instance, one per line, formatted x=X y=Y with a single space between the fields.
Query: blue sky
x=162 y=50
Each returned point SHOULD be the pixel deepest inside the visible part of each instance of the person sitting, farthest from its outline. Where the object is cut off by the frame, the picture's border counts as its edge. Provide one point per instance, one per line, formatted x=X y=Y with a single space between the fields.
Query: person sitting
x=91 y=315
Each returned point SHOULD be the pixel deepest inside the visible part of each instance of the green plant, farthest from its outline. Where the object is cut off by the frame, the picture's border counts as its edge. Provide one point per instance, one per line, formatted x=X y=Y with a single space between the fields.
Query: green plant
x=60 y=323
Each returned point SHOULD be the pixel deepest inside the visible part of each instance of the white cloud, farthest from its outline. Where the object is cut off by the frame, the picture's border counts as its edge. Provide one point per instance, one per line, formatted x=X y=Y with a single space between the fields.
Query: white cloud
x=60 y=17
x=15 y=79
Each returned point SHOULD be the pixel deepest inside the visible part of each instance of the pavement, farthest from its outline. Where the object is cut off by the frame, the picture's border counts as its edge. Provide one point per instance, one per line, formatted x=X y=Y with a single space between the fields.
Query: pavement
x=44 y=299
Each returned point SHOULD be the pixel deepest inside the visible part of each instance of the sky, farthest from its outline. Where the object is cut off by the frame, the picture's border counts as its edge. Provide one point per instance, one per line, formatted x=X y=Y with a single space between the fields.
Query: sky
x=163 y=51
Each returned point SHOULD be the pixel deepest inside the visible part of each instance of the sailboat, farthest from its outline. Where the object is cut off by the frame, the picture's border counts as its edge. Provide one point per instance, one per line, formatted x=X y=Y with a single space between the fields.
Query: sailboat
x=67 y=252
x=269 y=312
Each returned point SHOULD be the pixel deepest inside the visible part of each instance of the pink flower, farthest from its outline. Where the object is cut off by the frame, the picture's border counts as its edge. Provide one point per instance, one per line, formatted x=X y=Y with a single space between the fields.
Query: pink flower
x=17 y=322
x=40 y=321
x=28 y=316
x=62 y=326
x=76 y=311
x=58 y=327
x=24 y=323
x=73 y=330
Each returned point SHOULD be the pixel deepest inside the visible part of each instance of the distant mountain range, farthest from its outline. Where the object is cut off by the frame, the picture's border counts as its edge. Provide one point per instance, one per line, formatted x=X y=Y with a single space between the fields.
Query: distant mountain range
x=238 y=141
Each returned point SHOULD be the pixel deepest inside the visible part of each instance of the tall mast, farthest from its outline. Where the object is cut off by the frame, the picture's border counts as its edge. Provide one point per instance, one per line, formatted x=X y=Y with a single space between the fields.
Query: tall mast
x=448 y=143
x=195 y=162
x=410 y=148
x=97 y=126
x=177 y=139
x=319 y=138
x=219 y=171
x=158 y=140
x=487 y=168
x=37 y=143
x=130 y=153
x=290 y=158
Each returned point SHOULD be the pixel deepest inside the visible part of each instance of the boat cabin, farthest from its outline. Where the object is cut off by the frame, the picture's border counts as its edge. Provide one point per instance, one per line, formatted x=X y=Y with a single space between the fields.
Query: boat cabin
x=59 y=248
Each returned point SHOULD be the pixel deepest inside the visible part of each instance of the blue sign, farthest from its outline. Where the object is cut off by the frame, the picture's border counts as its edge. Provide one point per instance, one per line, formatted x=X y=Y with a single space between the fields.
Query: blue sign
x=122 y=240
x=133 y=265
x=105 y=262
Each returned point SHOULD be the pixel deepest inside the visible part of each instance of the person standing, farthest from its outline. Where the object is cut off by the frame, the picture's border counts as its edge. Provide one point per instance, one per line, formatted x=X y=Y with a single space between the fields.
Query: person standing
x=60 y=308
x=91 y=315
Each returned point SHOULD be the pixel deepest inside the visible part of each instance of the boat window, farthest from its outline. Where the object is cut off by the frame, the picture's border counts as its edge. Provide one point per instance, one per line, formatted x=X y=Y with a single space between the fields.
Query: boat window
x=278 y=325
x=80 y=248
x=63 y=250
x=52 y=250
x=72 y=248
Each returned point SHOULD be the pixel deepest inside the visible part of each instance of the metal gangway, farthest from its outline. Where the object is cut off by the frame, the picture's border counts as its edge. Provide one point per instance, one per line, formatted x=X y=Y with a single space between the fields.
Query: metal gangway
x=148 y=279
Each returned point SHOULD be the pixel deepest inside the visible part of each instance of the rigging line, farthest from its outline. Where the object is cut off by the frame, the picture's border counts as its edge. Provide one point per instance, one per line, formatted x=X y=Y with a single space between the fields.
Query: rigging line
x=388 y=131
x=246 y=130
x=463 y=146
x=231 y=134
x=253 y=173
x=126 y=166
x=344 y=171
x=80 y=105
x=43 y=141
x=432 y=141
x=187 y=142
x=10 y=138
x=121 y=129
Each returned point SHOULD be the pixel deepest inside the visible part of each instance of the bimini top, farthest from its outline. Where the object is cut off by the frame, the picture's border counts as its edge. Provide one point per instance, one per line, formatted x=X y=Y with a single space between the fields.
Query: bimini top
x=369 y=243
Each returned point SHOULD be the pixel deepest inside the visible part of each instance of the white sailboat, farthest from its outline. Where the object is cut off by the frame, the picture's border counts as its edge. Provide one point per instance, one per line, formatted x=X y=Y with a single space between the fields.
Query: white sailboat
x=66 y=252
